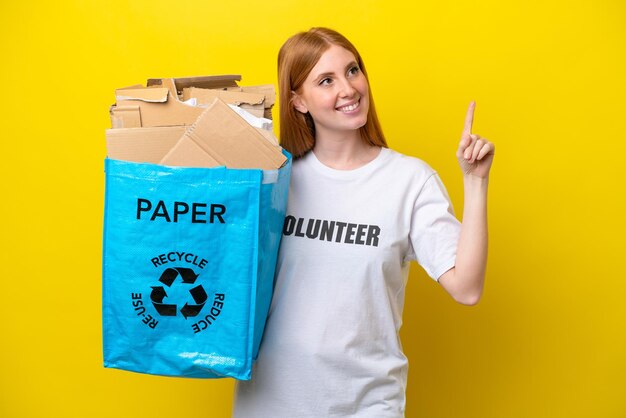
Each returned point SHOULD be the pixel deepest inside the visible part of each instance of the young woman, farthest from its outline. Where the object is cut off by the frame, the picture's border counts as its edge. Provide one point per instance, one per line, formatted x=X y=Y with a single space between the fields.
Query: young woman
x=357 y=213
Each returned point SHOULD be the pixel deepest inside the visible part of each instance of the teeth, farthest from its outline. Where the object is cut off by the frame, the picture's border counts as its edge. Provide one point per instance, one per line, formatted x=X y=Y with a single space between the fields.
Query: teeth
x=349 y=108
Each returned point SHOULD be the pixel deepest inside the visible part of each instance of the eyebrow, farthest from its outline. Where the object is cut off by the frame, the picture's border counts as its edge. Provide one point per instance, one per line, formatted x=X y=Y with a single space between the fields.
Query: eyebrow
x=327 y=74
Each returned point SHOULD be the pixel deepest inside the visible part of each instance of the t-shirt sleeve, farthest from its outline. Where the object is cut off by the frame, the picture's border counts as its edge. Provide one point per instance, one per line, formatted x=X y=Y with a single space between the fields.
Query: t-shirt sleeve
x=435 y=230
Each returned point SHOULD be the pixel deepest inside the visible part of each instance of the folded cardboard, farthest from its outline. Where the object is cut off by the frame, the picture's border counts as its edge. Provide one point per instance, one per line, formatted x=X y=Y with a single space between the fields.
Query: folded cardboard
x=159 y=103
x=250 y=102
x=142 y=145
x=227 y=139
x=265 y=89
x=150 y=145
x=188 y=153
x=154 y=124
x=218 y=82
x=204 y=82
x=269 y=135
x=148 y=107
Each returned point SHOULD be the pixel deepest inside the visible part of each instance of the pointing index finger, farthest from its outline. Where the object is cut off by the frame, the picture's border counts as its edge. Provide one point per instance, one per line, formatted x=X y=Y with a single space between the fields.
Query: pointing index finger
x=469 y=118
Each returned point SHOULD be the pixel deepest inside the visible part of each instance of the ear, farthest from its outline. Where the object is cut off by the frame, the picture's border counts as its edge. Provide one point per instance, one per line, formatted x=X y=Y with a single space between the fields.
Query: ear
x=297 y=102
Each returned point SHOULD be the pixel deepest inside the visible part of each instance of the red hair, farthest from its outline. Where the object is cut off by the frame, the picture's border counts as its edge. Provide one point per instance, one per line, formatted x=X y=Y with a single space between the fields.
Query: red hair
x=296 y=59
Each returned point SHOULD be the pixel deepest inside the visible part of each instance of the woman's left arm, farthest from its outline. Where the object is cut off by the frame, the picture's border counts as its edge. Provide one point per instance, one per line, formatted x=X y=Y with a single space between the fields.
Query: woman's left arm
x=464 y=282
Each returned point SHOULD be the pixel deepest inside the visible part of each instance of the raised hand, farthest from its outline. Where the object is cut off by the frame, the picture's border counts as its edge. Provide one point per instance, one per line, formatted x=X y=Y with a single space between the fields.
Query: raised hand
x=475 y=154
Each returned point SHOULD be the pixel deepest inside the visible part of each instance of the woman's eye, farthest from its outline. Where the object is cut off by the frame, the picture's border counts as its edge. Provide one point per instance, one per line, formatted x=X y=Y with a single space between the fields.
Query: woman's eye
x=325 y=82
x=353 y=70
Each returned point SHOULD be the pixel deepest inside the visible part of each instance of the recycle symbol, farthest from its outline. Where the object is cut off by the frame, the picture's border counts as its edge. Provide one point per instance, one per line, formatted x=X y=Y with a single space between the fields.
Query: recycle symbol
x=168 y=277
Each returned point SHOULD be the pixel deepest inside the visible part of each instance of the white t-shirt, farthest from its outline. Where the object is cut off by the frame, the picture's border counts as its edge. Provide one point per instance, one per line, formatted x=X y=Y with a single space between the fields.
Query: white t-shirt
x=331 y=345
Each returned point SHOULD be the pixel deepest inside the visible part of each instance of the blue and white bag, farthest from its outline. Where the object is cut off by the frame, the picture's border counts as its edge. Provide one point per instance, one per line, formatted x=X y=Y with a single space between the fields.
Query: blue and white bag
x=188 y=266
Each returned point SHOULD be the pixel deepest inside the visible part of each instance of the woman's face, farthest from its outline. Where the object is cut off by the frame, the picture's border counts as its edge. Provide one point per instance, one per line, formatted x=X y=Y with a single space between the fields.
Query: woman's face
x=335 y=93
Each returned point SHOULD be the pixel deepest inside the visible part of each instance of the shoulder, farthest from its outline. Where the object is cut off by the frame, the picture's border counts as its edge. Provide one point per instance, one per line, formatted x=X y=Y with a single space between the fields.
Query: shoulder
x=300 y=162
x=415 y=175
x=409 y=164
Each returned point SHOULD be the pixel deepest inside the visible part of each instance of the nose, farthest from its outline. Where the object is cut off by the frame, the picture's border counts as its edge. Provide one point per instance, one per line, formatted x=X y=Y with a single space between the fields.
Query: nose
x=346 y=88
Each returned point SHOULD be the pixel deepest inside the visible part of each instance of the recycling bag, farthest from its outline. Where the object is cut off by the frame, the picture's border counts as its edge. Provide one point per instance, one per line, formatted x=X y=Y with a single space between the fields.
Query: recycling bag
x=189 y=256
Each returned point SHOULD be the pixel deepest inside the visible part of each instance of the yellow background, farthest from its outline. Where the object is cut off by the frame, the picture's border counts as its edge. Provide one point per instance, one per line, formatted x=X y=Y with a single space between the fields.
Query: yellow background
x=549 y=337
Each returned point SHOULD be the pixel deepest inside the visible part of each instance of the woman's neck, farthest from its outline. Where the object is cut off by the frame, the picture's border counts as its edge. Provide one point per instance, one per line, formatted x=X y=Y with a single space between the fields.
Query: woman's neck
x=344 y=152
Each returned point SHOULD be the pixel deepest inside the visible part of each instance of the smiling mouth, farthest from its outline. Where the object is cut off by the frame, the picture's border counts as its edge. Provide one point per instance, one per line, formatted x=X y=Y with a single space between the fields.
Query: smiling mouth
x=349 y=108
